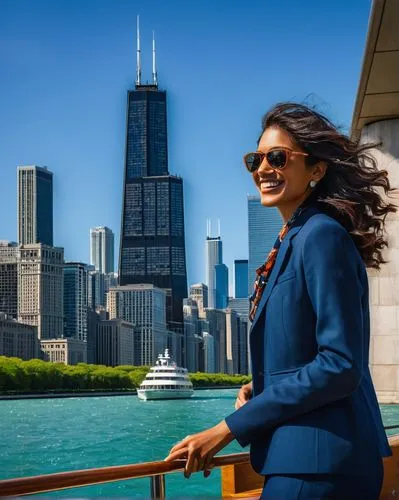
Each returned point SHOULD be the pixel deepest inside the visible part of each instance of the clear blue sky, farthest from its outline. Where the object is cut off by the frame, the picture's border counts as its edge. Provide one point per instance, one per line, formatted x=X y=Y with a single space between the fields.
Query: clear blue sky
x=65 y=67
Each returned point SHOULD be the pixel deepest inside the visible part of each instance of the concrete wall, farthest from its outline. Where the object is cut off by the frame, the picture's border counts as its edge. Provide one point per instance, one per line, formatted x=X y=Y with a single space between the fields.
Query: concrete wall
x=384 y=284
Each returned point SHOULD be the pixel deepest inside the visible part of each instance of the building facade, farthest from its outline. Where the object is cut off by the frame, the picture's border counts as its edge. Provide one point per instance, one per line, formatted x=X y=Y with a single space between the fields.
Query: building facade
x=102 y=249
x=241 y=307
x=264 y=224
x=199 y=293
x=35 y=205
x=209 y=353
x=232 y=342
x=221 y=286
x=96 y=296
x=241 y=279
x=143 y=306
x=114 y=343
x=41 y=289
x=63 y=350
x=75 y=300
x=9 y=278
x=17 y=340
x=376 y=121
x=192 y=339
x=216 y=326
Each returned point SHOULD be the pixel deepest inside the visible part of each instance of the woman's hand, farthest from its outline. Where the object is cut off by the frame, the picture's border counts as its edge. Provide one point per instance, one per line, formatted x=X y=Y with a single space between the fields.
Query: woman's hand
x=200 y=448
x=244 y=395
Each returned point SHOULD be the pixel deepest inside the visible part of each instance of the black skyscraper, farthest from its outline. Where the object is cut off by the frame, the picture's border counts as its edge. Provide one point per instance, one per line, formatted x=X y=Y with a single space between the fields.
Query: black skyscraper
x=152 y=248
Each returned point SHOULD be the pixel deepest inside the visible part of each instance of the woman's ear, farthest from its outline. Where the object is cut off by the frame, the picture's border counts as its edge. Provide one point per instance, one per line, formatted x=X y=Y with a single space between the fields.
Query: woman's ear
x=319 y=170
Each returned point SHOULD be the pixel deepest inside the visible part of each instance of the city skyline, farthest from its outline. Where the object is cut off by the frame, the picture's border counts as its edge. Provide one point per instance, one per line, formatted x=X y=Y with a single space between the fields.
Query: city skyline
x=217 y=131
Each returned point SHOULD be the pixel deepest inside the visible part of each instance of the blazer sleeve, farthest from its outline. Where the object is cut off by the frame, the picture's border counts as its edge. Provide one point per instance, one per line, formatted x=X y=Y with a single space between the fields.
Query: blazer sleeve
x=332 y=273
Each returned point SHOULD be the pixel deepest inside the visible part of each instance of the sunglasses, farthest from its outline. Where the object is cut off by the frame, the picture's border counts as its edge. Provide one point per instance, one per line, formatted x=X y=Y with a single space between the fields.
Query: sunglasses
x=276 y=158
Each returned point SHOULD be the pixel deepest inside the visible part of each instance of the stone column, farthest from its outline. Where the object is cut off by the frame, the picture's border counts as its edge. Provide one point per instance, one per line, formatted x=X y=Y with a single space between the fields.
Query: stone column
x=384 y=284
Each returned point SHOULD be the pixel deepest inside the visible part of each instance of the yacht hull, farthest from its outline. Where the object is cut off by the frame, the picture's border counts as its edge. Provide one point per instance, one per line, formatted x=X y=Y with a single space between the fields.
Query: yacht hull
x=151 y=394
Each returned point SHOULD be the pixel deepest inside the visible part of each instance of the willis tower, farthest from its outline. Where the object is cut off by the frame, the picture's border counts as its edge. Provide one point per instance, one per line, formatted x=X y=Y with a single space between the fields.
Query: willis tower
x=152 y=246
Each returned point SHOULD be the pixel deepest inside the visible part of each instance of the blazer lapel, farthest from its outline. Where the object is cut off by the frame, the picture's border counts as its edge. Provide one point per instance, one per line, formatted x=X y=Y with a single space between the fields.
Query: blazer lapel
x=285 y=246
x=281 y=257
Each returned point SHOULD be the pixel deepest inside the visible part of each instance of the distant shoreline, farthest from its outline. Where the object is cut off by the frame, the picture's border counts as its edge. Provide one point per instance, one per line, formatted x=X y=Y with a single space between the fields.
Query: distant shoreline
x=88 y=394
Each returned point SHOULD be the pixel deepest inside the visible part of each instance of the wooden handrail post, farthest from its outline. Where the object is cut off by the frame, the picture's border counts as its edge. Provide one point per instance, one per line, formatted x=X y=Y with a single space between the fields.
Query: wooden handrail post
x=158 y=487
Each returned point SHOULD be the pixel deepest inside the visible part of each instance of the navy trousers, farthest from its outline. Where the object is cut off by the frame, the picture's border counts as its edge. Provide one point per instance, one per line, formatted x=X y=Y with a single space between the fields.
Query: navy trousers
x=324 y=486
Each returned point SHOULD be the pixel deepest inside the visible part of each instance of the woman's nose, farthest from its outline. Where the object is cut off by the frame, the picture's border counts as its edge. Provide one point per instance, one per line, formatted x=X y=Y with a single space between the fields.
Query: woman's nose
x=264 y=166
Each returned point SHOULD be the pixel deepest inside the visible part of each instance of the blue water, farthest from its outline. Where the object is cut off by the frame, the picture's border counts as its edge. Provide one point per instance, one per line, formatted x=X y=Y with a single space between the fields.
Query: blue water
x=54 y=435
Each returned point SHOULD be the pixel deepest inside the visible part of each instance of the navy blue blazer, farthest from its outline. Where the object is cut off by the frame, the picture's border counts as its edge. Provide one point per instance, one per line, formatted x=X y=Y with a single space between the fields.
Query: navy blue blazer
x=313 y=407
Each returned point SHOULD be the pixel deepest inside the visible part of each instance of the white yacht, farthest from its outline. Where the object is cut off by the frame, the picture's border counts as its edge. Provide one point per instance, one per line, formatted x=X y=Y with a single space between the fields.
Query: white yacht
x=165 y=380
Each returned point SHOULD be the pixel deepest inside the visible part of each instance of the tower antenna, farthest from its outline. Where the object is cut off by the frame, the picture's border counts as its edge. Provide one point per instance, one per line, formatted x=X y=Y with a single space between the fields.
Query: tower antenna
x=138 y=67
x=154 y=70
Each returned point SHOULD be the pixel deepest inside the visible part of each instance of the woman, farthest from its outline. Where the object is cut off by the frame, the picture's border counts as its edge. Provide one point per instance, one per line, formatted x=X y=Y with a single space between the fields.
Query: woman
x=310 y=414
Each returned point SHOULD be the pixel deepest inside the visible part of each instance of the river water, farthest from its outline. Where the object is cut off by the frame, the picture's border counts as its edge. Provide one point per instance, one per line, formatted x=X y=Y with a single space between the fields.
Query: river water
x=39 y=436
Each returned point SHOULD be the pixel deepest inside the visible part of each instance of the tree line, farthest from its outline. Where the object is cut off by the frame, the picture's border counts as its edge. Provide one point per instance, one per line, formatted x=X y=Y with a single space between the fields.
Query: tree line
x=36 y=375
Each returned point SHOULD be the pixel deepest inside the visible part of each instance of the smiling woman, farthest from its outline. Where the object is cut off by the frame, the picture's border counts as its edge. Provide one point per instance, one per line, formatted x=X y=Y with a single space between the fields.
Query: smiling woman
x=310 y=414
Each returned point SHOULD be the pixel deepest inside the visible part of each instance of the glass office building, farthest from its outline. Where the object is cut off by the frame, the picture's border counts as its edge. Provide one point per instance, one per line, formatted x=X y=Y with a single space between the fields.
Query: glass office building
x=35 y=205
x=241 y=279
x=221 y=286
x=264 y=224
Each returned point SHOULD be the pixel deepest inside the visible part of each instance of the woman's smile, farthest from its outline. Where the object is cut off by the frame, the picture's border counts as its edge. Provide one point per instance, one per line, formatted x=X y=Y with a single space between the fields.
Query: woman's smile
x=268 y=186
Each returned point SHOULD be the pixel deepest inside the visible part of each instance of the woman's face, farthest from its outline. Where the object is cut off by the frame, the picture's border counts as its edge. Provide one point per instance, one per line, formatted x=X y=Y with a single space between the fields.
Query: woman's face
x=294 y=177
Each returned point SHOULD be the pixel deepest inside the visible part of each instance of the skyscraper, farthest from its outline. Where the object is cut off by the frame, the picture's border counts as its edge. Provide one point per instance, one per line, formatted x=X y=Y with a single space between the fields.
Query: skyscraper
x=102 y=249
x=199 y=292
x=213 y=257
x=75 y=300
x=40 y=289
x=221 y=285
x=152 y=247
x=9 y=278
x=144 y=307
x=241 y=278
x=264 y=224
x=35 y=205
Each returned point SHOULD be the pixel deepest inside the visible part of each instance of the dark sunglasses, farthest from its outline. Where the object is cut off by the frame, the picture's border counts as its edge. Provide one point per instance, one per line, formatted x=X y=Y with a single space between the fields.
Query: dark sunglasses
x=276 y=158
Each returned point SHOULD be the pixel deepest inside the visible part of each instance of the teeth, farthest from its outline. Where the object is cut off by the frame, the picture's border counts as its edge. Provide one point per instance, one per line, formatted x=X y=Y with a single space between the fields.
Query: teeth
x=270 y=184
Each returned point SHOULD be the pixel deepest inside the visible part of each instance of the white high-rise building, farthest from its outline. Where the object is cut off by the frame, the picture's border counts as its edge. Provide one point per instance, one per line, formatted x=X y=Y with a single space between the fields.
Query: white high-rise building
x=102 y=249
x=40 y=289
x=145 y=307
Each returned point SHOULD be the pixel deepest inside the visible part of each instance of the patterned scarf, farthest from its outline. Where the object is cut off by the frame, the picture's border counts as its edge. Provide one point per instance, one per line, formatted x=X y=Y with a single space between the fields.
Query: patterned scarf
x=263 y=272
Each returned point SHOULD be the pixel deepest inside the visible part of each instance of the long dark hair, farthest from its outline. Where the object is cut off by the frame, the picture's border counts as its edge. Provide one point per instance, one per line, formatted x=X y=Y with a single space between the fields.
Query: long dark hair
x=347 y=191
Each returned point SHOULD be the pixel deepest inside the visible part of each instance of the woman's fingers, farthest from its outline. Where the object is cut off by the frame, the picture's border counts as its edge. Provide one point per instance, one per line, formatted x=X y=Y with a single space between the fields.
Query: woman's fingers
x=207 y=466
x=174 y=455
x=179 y=445
x=239 y=403
x=191 y=463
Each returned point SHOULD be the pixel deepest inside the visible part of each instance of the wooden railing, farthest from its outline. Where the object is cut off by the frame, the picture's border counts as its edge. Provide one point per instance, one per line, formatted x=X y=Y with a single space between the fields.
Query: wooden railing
x=86 y=477
x=238 y=478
